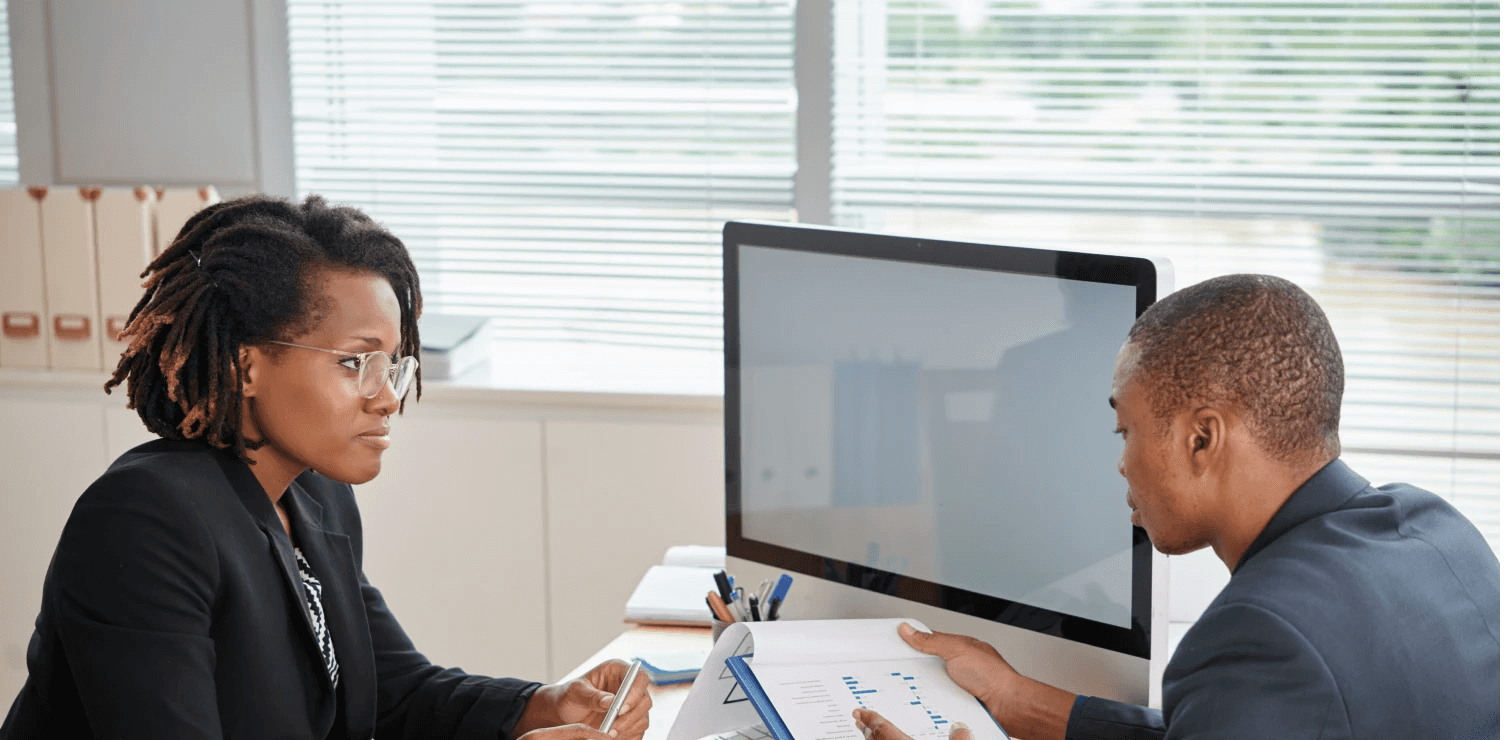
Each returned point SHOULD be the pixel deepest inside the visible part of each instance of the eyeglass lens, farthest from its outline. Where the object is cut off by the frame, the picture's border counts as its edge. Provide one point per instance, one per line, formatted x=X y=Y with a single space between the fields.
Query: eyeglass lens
x=377 y=369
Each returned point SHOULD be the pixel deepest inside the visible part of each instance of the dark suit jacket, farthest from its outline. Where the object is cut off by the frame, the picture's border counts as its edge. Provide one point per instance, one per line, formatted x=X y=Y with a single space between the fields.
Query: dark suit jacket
x=173 y=609
x=1359 y=612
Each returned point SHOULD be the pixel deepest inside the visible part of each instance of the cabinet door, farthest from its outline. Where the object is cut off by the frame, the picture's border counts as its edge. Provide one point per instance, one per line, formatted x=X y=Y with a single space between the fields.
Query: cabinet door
x=123 y=430
x=619 y=494
x=454 y=539
x=50 y=451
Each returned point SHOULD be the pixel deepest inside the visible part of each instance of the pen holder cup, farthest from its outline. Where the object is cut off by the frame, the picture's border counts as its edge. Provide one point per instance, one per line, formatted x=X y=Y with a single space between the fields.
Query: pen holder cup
x=716 y=628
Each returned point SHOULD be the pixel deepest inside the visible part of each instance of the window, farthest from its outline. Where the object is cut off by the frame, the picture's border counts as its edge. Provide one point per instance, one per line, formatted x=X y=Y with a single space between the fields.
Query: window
x=566 y=166
x=9 y=169
x=1351 y=147
x=563 y=166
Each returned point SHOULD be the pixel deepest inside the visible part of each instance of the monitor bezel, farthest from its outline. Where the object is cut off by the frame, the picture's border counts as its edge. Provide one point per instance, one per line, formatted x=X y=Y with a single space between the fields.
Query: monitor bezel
x=1137 y=272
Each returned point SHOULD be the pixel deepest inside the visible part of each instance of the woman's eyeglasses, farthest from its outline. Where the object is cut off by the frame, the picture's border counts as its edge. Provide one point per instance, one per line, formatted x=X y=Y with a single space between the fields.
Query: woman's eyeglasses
x=375 y=369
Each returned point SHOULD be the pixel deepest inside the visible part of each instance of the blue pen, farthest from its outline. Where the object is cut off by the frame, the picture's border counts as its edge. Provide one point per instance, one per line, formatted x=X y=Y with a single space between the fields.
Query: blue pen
x=781 y=591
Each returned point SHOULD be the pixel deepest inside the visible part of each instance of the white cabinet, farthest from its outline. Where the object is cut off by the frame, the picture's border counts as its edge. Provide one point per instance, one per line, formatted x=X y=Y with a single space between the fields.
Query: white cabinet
x=122 y=431
x=50 y=451
x=619 y=494
x=454 y=539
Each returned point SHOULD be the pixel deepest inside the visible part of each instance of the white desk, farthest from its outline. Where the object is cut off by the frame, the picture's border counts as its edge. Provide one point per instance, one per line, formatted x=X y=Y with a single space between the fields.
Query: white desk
x=666 y=699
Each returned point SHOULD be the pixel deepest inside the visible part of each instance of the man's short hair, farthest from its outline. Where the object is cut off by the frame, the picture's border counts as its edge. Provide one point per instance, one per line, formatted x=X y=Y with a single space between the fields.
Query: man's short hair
x=1257 y=342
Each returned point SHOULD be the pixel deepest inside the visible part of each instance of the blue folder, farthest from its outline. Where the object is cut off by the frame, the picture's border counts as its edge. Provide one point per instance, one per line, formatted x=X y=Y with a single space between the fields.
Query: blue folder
x=753 y=689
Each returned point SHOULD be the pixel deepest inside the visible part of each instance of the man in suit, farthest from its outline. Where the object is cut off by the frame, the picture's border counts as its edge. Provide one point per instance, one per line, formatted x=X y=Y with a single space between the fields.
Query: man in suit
x=1353 y=611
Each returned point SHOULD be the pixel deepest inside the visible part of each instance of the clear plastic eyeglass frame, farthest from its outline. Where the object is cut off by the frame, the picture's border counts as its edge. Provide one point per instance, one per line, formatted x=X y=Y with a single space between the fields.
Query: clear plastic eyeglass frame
x=376 y=369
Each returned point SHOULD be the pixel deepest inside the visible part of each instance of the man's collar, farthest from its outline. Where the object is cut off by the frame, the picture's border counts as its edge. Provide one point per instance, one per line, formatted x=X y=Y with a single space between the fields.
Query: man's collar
x=1326 y=491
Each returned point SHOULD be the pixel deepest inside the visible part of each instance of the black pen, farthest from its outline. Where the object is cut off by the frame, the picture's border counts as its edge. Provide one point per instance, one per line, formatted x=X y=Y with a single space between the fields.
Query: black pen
x=752 y=602
x=773 y=605
x=723 y=585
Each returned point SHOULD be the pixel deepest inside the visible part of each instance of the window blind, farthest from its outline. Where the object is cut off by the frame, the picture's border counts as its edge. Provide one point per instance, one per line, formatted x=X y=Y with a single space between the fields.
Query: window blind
x=1351 y=147
x=9 y=164
x=564 y=167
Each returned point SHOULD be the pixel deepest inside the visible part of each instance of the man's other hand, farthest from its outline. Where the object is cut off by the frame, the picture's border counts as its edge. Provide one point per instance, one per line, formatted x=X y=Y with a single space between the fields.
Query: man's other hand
x=874 y=727
x=972 y=664
x=1024 y=707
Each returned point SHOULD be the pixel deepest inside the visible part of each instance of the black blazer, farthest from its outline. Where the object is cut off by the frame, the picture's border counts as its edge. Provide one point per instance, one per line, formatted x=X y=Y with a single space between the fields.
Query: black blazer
x=1359 y=612
x=173 y=609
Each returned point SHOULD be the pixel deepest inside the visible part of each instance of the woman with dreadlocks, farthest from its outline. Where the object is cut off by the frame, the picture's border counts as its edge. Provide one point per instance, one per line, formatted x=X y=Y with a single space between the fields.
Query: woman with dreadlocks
x=209 y=584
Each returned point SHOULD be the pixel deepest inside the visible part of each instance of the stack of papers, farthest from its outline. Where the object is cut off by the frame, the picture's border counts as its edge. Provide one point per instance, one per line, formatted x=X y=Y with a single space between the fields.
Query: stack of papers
x=672 y=594
x=699 y=556
x=452 y=344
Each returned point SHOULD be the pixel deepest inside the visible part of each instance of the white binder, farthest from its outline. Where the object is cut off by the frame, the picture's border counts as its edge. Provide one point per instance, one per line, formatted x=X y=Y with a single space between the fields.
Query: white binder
x=23 y=295
x=68 y=264
x=174 y=207
x=123 y=225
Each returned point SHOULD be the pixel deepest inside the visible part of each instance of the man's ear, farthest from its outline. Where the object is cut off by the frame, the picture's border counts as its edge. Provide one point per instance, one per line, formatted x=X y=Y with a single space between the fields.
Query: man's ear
x=1207 y=440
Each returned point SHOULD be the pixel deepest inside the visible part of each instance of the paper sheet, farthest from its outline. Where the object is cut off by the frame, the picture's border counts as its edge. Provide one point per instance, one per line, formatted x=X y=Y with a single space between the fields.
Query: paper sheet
x=716 y=703
x=831 y=641
x=914 y=694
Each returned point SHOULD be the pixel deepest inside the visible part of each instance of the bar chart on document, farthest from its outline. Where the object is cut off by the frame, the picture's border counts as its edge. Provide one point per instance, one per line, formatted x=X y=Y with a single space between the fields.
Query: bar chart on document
x=880 y=687
x=898 y=690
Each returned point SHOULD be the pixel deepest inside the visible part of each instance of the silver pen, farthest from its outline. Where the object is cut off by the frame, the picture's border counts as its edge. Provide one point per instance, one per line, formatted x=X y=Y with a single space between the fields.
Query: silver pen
x=621 y=694
x=764 y=591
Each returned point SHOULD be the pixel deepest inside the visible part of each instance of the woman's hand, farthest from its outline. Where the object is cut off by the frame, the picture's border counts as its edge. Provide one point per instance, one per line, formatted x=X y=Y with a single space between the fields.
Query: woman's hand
x=585 y=701
x=874 y=727
x=567 y=732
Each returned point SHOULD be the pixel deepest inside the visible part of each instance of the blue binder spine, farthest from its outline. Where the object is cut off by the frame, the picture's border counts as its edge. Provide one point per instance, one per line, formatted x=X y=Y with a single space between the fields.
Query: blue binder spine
x=760 y=701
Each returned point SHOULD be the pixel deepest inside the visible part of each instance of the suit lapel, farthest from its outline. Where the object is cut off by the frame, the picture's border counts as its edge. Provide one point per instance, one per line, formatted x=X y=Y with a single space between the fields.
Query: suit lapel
x=259 y=505
x=333 y=562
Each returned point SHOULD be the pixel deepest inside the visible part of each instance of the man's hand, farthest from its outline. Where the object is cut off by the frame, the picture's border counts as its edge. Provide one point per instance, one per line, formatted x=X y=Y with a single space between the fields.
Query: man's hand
x=1024 y=707
x=874 y=727
x=972 y=664
x=585 y=701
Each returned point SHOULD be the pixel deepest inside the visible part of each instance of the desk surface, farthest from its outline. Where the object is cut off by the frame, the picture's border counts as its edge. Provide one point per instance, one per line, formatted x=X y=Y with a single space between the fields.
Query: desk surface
x=666 y=699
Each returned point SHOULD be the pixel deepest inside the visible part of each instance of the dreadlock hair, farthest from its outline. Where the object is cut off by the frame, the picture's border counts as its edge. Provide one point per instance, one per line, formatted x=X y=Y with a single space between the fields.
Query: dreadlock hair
x=242 y=272
x=1257 y=342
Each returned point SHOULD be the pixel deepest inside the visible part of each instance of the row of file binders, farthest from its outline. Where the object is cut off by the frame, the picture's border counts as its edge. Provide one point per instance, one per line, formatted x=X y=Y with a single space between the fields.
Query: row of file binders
x=70 y=268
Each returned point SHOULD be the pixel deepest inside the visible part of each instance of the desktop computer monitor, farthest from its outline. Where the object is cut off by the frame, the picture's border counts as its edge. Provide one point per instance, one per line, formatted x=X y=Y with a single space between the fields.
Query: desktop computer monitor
x=921 y=428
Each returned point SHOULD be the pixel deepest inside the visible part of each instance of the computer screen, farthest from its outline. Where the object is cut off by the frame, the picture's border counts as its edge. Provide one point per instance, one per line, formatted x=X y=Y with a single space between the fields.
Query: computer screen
x=929 y=420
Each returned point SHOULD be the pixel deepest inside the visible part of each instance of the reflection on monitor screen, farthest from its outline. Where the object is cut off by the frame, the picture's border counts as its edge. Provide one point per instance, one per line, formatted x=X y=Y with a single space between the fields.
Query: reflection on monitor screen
x=940 y=423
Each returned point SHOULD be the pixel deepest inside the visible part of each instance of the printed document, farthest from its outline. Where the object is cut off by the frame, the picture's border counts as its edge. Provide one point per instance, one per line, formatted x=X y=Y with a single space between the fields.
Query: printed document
x=816 y=672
